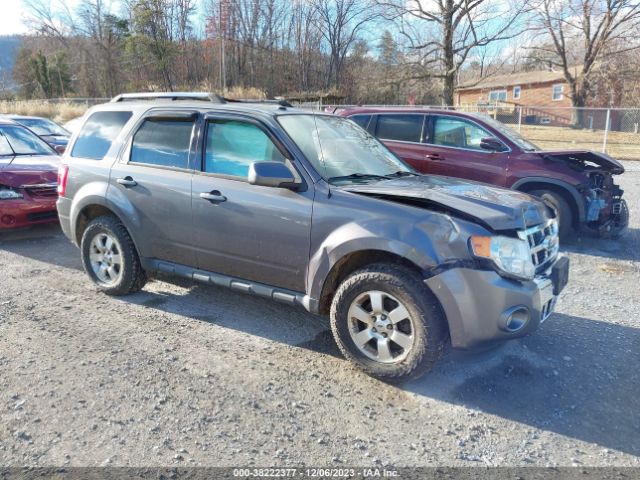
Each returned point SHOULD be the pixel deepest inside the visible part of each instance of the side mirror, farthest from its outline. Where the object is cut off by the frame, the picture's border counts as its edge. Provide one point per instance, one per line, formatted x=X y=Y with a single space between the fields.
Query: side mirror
x=60 y=149
x=272 y=174
x=492 y=144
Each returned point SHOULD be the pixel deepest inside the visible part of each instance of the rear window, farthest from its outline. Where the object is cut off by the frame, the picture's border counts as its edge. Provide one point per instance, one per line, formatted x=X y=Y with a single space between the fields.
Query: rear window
x=98 y=133
x=404 y=128
x=164 y=143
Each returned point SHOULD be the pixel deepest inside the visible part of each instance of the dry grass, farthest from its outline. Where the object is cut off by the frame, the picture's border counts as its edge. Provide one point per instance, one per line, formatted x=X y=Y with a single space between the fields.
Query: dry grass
x=620 y=145
x=59 y=112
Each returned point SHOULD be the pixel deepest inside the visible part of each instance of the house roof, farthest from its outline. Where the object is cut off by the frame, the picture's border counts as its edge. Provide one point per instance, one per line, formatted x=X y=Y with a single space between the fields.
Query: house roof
x=513 y=79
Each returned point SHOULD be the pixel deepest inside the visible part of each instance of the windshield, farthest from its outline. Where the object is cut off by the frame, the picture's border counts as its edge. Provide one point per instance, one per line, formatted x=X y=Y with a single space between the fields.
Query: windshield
x=511 y=134
x=43 y=126
x=340 y=150
x=17 y=140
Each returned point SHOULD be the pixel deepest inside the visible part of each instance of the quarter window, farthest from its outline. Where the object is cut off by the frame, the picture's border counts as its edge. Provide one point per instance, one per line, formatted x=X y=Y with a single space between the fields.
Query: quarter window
x=163 y=142
x=233 y=145
x=98 y=133
x=556 y=92
x=455 y=132
x=404 y=128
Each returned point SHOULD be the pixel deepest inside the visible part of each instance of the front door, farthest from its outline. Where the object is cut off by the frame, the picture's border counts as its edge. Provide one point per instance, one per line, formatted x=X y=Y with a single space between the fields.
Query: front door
x=403 y=134
x=242 y=230
x=453 y=149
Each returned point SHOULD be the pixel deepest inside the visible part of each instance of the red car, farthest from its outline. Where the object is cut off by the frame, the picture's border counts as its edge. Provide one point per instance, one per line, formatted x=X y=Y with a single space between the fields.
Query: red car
x=28 y=177
x=578 y=184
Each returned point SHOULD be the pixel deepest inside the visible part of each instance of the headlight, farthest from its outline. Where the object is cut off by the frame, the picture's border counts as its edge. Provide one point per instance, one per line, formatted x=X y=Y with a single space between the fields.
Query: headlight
x=8 y=193
x=510 y=255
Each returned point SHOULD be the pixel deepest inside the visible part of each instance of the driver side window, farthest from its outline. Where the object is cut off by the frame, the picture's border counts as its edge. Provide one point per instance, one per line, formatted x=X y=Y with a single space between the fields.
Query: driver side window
x=233 y=145
x=459 y=133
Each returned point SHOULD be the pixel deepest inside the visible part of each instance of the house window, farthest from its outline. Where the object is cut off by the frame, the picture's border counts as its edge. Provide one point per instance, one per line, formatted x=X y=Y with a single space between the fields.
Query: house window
x=516 y=93
x=557 y=92
x=498 y=96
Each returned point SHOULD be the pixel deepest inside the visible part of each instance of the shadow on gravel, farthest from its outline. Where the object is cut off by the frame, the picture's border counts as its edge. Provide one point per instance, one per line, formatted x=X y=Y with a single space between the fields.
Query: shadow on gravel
x=626 y=247
x=576 y=377
x=44 y=243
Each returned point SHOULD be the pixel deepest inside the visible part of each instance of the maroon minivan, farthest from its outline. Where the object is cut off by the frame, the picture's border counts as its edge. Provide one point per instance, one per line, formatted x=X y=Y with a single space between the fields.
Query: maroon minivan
x=579 y=184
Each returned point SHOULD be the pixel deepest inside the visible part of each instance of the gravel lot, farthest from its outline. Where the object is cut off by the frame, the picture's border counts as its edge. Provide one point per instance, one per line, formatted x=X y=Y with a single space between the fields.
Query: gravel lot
x=187 y=374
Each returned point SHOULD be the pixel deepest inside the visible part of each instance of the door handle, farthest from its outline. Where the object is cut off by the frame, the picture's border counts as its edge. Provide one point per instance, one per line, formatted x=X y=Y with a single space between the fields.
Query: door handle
x=127 y=182
x=433 y=156
x=213 y=196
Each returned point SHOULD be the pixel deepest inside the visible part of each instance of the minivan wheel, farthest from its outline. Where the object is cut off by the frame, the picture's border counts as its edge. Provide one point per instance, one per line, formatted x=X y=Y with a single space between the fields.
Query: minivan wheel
x=109 y=257
x=386 y=321
x=564 y=213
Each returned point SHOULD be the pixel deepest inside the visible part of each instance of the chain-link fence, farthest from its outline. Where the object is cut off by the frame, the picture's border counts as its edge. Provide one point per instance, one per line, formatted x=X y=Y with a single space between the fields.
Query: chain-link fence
x=615 y=131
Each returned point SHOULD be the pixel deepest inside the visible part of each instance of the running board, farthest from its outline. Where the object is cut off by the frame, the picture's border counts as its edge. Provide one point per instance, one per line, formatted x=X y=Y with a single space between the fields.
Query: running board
x=245 y=286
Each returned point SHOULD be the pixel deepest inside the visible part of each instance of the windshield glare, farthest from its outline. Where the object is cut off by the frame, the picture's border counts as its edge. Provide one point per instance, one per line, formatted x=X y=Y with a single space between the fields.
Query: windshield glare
x=43 y=126
x=511 y=134
x=339 y=148
x=16 y=140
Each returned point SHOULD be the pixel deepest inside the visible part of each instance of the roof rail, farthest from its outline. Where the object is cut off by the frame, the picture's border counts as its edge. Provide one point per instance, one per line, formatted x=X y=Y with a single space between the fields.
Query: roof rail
x=281 y=102
x=173 y=96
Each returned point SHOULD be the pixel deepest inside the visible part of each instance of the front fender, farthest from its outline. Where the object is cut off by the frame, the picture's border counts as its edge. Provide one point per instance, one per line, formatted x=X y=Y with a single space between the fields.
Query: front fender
x=425 y=244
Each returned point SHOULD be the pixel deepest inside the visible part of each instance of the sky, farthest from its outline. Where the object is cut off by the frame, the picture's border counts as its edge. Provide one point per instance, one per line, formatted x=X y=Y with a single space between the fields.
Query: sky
x=11 y=17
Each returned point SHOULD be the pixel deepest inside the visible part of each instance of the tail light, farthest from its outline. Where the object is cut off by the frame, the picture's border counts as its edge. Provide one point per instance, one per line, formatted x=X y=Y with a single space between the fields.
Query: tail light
x=63 y=174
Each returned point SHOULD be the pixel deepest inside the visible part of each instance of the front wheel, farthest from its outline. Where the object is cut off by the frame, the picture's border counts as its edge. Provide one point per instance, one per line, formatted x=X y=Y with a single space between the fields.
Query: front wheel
x=386 y=321
x=564 y=212
x=110 y=258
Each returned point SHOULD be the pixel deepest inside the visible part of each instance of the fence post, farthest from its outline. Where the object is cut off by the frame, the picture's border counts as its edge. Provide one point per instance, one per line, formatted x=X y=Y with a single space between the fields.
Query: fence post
x=606 y=131
x=519 y=119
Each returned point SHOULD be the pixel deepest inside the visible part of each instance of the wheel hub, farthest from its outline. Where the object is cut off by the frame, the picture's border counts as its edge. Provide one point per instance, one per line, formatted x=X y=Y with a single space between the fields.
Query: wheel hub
x=381 y=327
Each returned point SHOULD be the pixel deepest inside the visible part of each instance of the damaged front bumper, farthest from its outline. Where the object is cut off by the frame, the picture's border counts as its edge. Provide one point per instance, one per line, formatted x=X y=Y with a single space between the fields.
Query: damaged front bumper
x=483 y=307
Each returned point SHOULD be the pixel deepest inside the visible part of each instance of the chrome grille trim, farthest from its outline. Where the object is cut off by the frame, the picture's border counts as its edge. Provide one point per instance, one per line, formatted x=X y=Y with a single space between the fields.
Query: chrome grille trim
x=42 y=189
x=543 y=244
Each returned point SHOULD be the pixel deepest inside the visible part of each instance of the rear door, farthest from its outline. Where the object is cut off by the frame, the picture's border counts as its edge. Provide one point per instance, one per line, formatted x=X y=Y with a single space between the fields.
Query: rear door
x=153 y=181
x=248 y=231
x=453 y=149
x=403 y=134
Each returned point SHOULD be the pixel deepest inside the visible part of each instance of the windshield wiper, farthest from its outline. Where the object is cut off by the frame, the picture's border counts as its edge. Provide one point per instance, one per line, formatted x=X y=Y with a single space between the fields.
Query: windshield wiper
x=402 y=173
x=357 y=176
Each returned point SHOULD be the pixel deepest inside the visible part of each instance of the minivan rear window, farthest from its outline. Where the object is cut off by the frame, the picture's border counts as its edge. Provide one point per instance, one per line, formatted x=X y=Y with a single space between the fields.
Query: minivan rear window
x=98 y=133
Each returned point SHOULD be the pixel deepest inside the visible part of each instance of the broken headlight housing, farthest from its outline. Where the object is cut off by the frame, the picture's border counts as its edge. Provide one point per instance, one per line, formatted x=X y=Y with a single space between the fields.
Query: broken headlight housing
x=510 y=256
x=8 y=193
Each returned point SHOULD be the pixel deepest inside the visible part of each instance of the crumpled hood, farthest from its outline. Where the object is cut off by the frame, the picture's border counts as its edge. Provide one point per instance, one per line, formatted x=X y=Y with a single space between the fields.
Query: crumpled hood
x=584 y=158
x=497 y=208
x=28 y=170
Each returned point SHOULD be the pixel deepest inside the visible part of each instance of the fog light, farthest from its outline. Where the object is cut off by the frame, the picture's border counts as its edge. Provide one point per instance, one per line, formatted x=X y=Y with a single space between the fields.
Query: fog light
x=514 y=319
x=8 y=219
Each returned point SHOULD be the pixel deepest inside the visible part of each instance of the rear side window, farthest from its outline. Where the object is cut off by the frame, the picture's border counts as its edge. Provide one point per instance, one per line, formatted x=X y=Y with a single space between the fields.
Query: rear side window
x=232 y=146
x=404 y=128
x=98 y=133
x=163 y=142
x=362 y=120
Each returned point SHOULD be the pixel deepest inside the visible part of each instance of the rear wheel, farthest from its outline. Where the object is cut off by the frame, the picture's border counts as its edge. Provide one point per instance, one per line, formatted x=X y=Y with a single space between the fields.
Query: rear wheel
x=564 y=212
x=110 y=258
x=387 y=322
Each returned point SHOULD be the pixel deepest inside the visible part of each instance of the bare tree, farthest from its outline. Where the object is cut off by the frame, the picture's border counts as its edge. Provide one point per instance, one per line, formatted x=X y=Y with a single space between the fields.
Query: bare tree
x=583 y=32
x=444 y=34
x=340 y=22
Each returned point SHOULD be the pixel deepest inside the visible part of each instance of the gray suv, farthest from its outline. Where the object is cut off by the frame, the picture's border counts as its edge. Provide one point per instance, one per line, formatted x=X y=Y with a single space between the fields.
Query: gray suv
x=311 y=210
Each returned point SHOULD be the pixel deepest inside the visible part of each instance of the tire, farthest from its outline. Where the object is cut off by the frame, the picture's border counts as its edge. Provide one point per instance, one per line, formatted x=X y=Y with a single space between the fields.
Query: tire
x=564 y=212
x=110 y=258
x=425 y=324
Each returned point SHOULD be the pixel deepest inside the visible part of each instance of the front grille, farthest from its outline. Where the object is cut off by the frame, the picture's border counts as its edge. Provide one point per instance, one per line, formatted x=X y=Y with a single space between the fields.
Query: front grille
x=543 y=243
x=36 y=217
x=42 y=190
